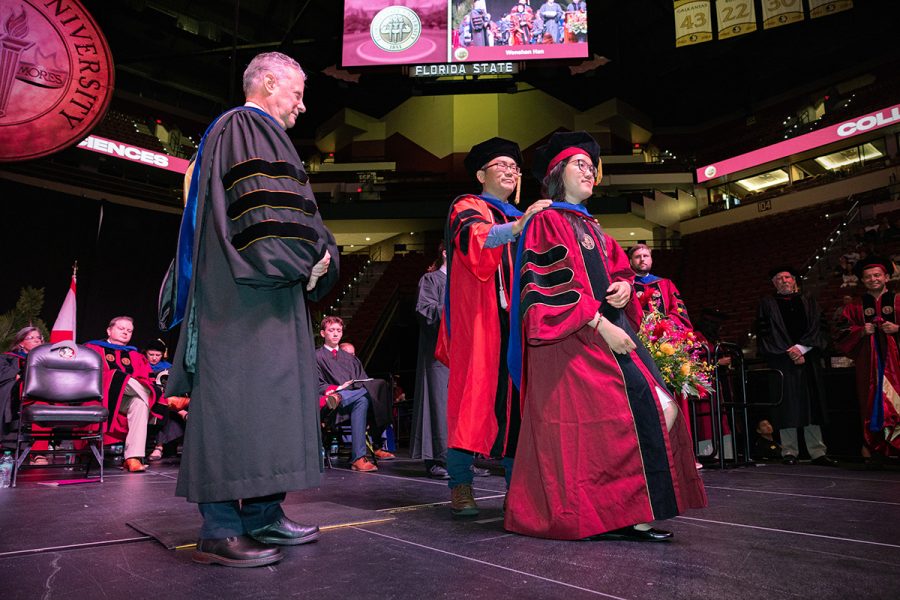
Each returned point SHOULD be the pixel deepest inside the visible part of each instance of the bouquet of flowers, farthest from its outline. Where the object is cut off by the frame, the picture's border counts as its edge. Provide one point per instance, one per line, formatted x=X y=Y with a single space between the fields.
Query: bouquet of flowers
x=677 y=355
x=576 y=22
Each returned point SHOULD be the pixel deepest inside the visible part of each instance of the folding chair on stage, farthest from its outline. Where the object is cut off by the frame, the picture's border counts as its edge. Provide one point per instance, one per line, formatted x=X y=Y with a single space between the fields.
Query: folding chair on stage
x=63 y=392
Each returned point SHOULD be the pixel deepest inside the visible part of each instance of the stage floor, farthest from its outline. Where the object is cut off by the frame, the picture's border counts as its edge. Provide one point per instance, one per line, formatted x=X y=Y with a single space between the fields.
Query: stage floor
x=769 y=532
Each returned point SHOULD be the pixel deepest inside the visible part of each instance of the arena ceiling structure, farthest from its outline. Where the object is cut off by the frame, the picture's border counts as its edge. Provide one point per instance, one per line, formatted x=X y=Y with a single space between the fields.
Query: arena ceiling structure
x=187 y=57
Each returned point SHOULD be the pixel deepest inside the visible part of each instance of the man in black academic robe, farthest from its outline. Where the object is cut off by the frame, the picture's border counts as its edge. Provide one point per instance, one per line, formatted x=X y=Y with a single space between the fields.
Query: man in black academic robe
x=246 y=355
x=428 y=438
x=343 y=377
x=791 y=337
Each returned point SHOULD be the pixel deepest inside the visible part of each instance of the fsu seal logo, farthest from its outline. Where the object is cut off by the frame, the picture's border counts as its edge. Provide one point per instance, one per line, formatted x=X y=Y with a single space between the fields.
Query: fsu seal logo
x=869 y=312
x=395 y=28
x=66 y=352
x=588 y=242
x=56 y=76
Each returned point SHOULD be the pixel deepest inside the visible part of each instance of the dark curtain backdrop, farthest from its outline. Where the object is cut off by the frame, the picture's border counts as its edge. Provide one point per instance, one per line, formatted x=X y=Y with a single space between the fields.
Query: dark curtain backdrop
x=119 y=270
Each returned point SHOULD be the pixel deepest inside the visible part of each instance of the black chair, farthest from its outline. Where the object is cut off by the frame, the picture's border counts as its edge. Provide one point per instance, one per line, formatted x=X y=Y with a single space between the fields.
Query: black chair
x=60 y=381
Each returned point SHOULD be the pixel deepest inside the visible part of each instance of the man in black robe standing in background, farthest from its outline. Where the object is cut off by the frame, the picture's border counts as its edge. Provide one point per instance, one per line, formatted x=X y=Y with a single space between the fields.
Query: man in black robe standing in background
x=428 y=438
x=791 y=337
x=257 y=248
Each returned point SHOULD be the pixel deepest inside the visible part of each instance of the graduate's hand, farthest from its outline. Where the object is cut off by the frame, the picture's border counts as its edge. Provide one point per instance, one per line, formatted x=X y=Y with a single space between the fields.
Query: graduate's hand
x=890 y=328
x=800 y=361
x=615 y=336
x=794 y=353
x=532 y=210
x=618 y=294
x=869 y=328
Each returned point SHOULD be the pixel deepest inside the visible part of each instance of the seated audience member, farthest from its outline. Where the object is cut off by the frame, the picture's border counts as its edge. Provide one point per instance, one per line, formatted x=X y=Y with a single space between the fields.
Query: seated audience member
x=12 y=372
x=765 y=447
x=171 y=427
x=845 y=268
x=340 y=382
x=129 y=392
x=156 y=352
x=348 y=348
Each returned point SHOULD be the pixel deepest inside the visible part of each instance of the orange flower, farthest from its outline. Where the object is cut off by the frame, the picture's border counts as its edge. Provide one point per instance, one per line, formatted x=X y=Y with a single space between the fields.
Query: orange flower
x=686 y=369
x=667 y=348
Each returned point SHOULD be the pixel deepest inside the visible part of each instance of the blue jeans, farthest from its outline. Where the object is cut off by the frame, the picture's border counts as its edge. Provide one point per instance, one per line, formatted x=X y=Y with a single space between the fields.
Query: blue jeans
x=231 y=518
x=459 y=467
x=356 y=404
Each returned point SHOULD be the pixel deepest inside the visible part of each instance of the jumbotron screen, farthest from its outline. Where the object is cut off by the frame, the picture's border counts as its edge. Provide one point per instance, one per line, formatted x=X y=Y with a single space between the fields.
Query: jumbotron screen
x=407 y=32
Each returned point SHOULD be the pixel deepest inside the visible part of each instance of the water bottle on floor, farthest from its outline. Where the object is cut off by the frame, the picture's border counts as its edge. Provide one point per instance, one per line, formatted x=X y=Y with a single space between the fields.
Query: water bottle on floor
x=333 y=451
x=6 y=469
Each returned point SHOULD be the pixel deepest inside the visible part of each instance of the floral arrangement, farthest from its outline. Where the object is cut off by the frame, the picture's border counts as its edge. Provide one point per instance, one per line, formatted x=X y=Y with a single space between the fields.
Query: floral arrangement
x=576 y=22
x=676 y=352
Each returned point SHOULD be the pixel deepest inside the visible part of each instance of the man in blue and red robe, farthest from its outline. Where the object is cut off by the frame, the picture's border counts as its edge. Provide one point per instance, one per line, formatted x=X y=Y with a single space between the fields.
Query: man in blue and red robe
x=482 y=405
x=129 y=392
x=868 y=334
x=660 y=292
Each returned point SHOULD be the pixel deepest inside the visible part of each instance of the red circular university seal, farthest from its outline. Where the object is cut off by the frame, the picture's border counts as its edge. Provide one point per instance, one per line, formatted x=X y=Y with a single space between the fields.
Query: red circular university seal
x=56 y=76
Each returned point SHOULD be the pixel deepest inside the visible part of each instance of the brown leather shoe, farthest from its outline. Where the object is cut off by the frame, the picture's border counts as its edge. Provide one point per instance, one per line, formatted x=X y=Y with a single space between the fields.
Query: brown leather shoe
x=240 y=551
x=134 y=465
x=363 y=465
x=462 y=502
x=384 y=455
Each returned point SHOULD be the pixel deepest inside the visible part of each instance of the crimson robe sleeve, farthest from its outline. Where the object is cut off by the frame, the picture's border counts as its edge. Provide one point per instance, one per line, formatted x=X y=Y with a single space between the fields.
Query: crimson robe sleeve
x=676 y=308
x=470 y=222
x=620 y=270
x=852 y=339
x=268 y=222
x=556 y=298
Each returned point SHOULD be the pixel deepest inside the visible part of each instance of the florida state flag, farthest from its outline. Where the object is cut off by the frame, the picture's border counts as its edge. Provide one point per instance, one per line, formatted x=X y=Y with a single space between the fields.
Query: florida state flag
x=64 y=326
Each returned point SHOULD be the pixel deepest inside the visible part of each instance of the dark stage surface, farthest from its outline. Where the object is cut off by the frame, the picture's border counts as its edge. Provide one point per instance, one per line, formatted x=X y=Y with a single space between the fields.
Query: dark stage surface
x=770 y=532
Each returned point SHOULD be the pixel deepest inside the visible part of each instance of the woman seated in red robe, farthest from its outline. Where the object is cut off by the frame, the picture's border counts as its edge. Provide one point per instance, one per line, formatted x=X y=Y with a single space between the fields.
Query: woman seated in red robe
x=603 y=449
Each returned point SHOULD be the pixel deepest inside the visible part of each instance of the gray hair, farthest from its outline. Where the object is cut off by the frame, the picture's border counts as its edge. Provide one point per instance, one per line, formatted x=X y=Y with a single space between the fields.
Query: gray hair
x=268 y=62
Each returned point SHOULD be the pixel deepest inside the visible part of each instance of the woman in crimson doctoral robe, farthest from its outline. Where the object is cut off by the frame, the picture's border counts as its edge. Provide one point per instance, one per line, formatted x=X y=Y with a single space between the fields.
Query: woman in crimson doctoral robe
x=868 y=334
x=603 y=448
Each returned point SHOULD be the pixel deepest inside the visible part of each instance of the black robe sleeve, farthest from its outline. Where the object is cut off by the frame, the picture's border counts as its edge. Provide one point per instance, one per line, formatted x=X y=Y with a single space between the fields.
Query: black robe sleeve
x=268 y=223
x=430 y=301
x=9 y=368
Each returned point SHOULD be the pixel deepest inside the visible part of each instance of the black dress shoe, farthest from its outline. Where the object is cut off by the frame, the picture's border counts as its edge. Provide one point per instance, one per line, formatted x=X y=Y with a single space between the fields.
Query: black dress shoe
x=241 y=551
x=789 y=459
x=636 y=535
x=479 y=472
x=285 y=532
x=824 y=461
x=438 y=472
